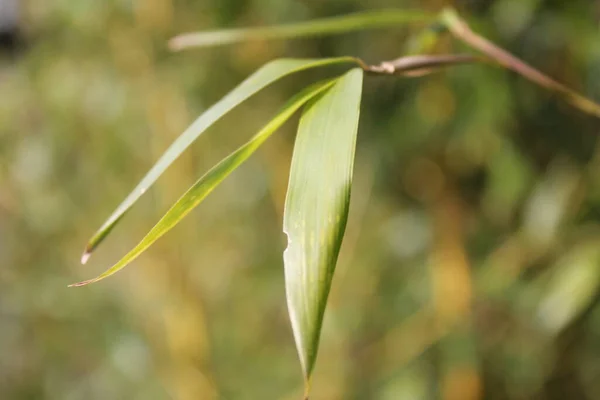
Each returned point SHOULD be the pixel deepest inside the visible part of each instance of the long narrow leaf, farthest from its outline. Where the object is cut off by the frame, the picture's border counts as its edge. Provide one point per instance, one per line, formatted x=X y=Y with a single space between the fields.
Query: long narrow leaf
x=257 y=81
x=213 y=177
x=316 y=207
x=316 y=27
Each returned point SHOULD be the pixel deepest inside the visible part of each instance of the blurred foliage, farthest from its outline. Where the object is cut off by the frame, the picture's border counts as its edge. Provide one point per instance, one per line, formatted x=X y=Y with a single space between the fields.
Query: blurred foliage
x=470 y=267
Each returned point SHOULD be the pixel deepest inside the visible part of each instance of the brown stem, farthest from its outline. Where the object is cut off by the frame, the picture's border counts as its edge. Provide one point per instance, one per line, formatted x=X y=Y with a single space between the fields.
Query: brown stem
x=420 y=64
x=461 y=30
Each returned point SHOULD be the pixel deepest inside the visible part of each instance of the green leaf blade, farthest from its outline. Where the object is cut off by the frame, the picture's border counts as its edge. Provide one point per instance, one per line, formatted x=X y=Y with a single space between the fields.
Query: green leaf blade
x=316 y=208
x=213 y=178
x=265 y=76
x=316 y=27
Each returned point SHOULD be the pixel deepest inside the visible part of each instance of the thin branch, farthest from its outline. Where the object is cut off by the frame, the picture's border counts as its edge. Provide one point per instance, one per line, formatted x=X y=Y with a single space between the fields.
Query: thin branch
x=419 y=65
x=461 y=30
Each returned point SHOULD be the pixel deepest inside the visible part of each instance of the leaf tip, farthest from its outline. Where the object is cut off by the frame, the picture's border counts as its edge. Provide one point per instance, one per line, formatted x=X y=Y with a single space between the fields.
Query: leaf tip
x=306 y=390
x=175 y=44
x=307 y=385
x=86 y=255
x=83 y=283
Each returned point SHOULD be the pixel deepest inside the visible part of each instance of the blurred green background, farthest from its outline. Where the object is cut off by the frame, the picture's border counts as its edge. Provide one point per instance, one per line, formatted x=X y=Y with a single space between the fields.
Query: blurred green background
x=471 y=263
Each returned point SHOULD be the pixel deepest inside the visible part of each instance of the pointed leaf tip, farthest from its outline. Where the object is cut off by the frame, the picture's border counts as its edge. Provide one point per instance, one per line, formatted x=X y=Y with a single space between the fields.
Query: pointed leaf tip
x=209 y=181
x=262 y=78
x=306 y=389
x=85 y=257
x=82 y=283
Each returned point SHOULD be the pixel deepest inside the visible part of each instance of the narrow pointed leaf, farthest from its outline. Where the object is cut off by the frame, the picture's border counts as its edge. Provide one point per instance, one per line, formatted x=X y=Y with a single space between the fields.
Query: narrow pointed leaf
x=257 y=81
x=213 y=177
x=573 y=285
x=316 y=207
x=316 y=27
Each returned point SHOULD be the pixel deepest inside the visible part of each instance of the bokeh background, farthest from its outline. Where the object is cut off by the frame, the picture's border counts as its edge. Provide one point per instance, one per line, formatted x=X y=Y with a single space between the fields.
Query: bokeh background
x=471 y=264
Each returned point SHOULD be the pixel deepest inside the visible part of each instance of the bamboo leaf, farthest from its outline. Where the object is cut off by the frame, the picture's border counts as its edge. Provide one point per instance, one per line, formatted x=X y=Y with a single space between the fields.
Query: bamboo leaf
x=419 y=65
x=573 y=285
x=316 y=27
x=212 y=178
x=265 y=76
x=316 y=207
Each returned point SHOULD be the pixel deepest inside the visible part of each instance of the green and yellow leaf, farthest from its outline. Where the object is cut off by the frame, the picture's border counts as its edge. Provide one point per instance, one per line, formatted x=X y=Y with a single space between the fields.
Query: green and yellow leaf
x=316 y=207
x=315 y=27
x=213 y=177
x=265 y=76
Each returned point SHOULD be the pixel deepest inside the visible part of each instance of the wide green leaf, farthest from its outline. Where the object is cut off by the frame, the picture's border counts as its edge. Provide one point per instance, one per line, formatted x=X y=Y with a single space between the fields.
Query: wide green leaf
x=316 y=207
x=315 y=27
x=265 y=76
x=213 y=177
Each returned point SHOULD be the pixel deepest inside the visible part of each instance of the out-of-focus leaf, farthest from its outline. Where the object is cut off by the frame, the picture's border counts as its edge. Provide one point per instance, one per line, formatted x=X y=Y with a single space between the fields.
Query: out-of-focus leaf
x=212 y=178
x=316 y=27
x=257 y=81
x=573 y=286
x=549 y=205
x=425 y=40
x=316 y=207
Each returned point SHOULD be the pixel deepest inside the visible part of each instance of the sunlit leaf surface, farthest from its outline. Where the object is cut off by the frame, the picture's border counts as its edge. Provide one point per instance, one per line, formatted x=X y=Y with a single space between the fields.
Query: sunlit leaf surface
x=316 y=207
x=257 y=81
x=212 y=178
